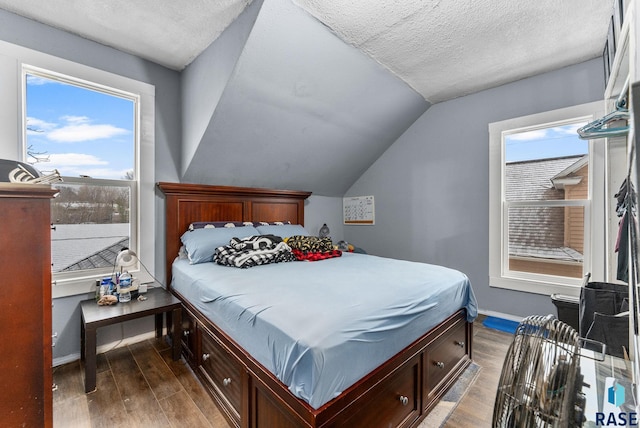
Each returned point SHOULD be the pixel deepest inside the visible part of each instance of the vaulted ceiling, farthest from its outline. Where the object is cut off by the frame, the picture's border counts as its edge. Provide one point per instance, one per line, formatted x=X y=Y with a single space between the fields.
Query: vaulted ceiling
x=307 y=94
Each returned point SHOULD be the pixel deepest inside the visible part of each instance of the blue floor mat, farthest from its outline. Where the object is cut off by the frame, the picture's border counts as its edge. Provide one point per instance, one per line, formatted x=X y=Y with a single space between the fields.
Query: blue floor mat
x=500 y=324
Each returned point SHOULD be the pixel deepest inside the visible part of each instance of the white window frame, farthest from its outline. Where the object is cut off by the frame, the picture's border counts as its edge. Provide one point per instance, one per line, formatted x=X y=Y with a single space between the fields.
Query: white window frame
x=594 y=209
x=15 y=61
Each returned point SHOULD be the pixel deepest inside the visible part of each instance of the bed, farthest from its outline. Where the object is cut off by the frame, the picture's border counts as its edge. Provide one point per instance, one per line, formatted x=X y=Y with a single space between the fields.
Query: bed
x=306 y=367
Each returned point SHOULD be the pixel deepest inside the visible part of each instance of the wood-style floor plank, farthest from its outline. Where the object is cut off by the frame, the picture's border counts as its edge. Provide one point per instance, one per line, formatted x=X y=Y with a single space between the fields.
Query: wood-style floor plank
x=155 y=370
x=106 y=408
x=141 y=386
x=476 y=407
x=136 y=394
x=182 y=411
x=195 y=390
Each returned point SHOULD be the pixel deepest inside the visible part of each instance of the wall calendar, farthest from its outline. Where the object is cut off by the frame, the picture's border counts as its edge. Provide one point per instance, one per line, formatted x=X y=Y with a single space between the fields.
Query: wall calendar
x=358 y=210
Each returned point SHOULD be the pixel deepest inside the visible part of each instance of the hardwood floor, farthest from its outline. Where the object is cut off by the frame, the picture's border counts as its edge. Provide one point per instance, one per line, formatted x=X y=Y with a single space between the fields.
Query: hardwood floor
x=475 y=410
x=141 y=386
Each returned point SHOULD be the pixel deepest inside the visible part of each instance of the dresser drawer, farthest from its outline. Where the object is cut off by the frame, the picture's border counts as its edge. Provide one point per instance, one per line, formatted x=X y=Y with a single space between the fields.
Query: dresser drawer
x=396 y=405
x=223 y=373
x=444 y=355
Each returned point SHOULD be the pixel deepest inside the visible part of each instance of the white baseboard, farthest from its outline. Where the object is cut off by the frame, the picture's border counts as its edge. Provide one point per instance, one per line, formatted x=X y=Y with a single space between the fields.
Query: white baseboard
x=106 y=347
x=500 y=315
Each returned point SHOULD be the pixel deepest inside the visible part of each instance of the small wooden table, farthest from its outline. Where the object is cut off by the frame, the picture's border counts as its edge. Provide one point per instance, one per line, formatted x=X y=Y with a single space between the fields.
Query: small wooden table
x=159 y=301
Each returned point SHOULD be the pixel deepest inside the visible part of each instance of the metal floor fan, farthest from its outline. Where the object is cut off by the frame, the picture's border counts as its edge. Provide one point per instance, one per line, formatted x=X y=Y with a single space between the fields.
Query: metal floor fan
x=540 y=384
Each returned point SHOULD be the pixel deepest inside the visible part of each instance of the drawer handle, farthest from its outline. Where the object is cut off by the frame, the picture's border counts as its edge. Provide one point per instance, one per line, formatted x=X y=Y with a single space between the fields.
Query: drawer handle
x=186 y=333
x=226 y=381
x=460 y=343
x=404 y=400
x=205 y=357
x=439 y=364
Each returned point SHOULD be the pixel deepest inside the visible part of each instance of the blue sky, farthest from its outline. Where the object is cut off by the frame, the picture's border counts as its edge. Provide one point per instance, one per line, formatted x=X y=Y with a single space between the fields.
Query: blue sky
x=545 y=143
x=80 y=131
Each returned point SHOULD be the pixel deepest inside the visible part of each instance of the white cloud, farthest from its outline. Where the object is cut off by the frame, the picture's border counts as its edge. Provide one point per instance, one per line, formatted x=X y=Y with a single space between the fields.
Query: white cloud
x=75 y=119
x=74 y=159
x=75 y=129
x=84 y=132
x=38 y=126
x=538 y=134
x=37 y=80
x=570 y=129
x=77 y=164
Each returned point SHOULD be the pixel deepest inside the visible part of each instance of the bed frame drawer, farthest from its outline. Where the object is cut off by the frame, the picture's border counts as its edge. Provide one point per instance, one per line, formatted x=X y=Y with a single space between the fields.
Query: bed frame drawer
x=446 y=354
x=396 y=405
x=189 y=338
x=223 y=373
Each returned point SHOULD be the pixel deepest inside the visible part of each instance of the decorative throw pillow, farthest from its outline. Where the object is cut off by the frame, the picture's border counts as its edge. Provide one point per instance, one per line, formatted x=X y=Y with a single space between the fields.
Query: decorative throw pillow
x=310 y=243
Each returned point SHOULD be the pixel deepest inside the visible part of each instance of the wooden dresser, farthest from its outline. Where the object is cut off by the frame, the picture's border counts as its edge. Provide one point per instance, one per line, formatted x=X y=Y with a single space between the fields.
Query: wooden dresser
x=25 y=300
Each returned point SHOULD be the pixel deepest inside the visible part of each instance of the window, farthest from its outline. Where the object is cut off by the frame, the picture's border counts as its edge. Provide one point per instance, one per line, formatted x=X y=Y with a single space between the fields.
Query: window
x=542 y=178
x=88 y=135
x=99 y=191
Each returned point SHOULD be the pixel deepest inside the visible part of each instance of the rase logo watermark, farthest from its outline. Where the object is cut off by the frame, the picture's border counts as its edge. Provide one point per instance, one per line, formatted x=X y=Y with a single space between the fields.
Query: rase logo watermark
x=612 y=414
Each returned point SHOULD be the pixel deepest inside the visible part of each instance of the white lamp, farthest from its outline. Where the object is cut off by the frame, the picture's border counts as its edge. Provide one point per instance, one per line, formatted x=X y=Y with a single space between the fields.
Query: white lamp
x=126 y=259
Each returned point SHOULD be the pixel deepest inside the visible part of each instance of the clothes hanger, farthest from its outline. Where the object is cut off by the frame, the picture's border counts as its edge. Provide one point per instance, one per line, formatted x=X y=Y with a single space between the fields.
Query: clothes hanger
x=598 y=129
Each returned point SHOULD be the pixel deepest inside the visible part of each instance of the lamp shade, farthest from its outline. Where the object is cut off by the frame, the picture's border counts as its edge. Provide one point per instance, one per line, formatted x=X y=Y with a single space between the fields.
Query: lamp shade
x=126 y=259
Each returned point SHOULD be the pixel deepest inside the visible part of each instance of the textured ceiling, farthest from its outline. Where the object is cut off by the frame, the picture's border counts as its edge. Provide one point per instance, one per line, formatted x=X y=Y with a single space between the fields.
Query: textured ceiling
x=441 y=48
x=170 y=33
x=448 y=48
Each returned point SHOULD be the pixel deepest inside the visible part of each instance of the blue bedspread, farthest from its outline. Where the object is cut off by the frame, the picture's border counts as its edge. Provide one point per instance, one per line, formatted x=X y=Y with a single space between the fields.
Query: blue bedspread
x=321 y=326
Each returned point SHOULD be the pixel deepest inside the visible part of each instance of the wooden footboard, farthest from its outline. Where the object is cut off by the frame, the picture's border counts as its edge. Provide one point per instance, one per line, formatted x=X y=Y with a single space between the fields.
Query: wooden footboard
x=399 y=393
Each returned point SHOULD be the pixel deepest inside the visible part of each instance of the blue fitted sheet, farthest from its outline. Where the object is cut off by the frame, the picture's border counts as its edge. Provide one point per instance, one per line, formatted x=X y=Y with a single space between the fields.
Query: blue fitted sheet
x=321 y=326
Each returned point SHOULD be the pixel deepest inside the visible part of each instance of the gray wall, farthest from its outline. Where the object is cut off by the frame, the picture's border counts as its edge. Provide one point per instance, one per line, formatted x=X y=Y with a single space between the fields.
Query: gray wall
x=431 y=187
x=319 y=210
x=205 y=79
x=301 y=108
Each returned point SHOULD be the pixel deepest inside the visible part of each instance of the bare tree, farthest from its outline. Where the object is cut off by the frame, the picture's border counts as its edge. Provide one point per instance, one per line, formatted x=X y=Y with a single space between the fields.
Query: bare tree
x=37 y=157
x=90 y=204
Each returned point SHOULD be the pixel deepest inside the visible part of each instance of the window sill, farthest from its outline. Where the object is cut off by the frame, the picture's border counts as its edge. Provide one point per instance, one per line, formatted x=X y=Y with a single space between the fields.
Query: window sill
x=546 y=288
x=87 y=285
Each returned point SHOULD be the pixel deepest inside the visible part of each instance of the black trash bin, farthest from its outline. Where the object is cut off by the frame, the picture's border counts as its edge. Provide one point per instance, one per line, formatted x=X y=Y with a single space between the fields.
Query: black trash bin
x=604 y=315
x=568 y=308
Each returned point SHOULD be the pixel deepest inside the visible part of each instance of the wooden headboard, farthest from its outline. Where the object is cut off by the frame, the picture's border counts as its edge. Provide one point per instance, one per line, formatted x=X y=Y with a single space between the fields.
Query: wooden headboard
x=186 y=203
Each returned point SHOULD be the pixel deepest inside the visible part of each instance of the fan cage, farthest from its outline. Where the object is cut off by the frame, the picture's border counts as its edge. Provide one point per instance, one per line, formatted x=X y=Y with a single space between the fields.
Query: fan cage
x=540 y=381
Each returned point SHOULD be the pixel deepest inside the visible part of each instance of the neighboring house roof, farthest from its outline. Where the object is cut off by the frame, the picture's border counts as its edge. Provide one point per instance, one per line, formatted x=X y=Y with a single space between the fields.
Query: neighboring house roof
x=531 y=180
x=72 y=244
x=103 y=258
x=568 y=175
x=539 y=231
